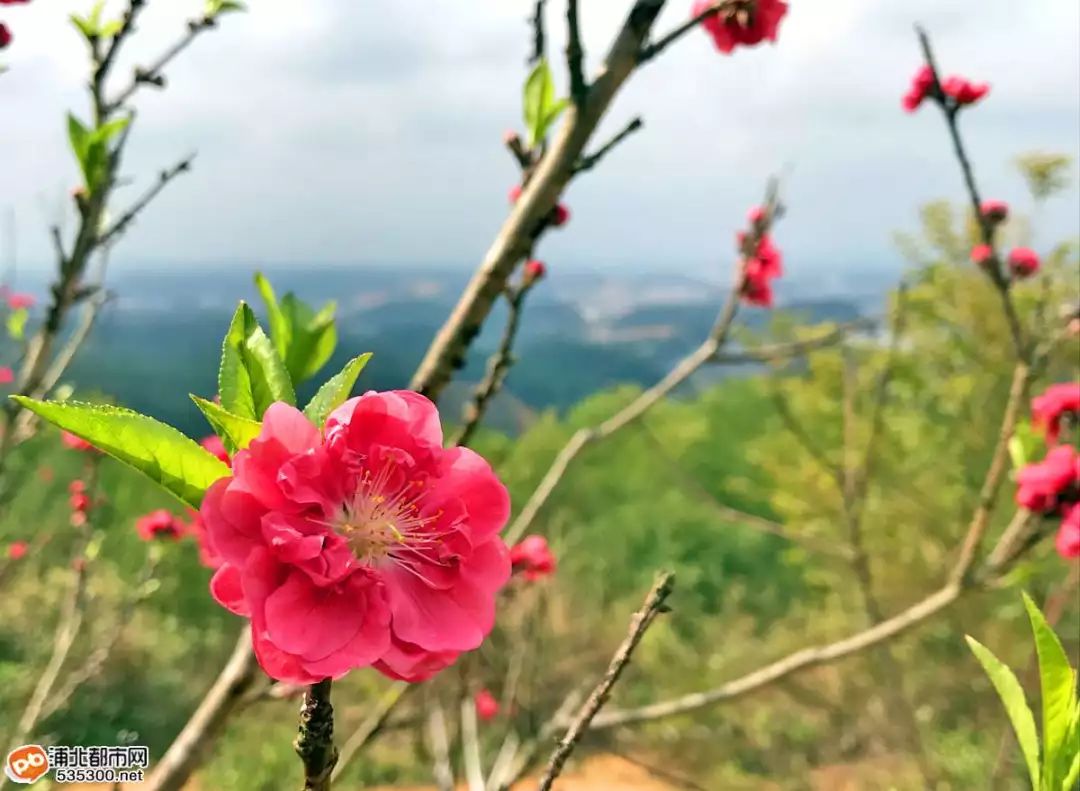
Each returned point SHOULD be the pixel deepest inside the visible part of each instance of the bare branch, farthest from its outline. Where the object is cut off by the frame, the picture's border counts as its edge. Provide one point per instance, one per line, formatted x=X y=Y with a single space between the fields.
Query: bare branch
x=151 y=75
x=498 y=367
x=524 y=757
x=775 y=352
x=590 y=161
x=129 y=216
x=184 y=755
x=950 y=110
x=127 y=27
x=643 y=618
x=575 y=55
x=538 y=33
x=315 y=737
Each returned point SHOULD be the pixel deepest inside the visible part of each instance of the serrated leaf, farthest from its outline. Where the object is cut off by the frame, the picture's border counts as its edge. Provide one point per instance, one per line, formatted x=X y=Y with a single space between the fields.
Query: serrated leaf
x=252 y=376
x=16 y=323
x=1012 y=696
x=335 y=391
x=158 y=451
x=236 y=432
x=538 y=98
x=280 y=331
x=1058 y=685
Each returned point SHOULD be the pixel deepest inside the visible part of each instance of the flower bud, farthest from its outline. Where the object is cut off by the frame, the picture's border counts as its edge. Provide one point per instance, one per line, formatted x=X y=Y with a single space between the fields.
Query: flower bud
x=560 y=216
x=1023 y=262
x=534 y=270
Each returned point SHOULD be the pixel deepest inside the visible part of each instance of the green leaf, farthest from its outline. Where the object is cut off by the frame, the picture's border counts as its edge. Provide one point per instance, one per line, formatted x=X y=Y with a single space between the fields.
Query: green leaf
x=80 y=138
x=304 y=339
x=539 y=101
x=336 y=391
x=95 y=15
x=236 y=432
x=106 y=132
x=252 y=376
x=110 y=29
x=16 y=323
x=158 y=451
x=83 y=26
x=280 y=329
x=1058 y=685
x=1012 y=696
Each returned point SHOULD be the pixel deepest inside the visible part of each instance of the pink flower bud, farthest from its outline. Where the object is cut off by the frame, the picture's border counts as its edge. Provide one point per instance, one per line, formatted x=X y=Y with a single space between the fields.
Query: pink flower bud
x=1023 y=262
x=515 y=193
x=981 y=254
x=510 y=136
x=17 y=549
x=757 y=215
x=534 y=270
x=19 y=301
x=963 y=91
x=214 y=444
x=7 y=376
x=994 y=210
x=487 y=707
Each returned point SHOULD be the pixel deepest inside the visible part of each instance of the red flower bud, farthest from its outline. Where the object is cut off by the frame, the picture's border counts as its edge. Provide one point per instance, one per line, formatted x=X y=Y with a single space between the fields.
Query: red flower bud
x=7 y=376
x=560 y=216
x=487 y=707
x=515 y=193
x=963 y=91
x=534 y=270
x=1023 y=262
x=981 y=254
x=17 y=549
x=994 y=210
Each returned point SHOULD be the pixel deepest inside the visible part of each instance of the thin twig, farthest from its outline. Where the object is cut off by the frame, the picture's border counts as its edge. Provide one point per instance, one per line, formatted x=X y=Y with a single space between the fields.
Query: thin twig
x=775 y=352
x=528 y=752
x=589 y=161
x=643 y=618
x=152 y=74
x=498 y=366
x=951 y=111
x=537 y=21
x=129 y=216
x=371 y=726
x=439 y=743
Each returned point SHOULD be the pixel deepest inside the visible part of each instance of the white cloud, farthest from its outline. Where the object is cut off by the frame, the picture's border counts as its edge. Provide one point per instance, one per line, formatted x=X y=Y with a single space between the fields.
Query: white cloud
x=346 y=131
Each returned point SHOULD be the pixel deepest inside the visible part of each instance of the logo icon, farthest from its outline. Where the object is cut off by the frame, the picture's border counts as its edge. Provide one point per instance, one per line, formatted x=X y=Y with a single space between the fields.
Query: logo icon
x=26 y=764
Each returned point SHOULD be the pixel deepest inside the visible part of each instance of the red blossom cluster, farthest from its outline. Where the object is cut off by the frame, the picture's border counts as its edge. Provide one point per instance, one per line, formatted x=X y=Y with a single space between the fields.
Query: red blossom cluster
x=762 y=261
x=532 y=558
x=957 y=91
x=80 y=502
x=1057 y=404
x=740 y=24
x=1051 y=487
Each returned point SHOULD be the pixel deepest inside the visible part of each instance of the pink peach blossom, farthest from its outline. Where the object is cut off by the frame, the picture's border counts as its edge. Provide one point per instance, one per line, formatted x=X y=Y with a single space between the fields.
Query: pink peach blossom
x=1042 y=485
x=532 y=558
x=17 y=550
x=7 y=376
x=159 y=524
x=1023 y=262
x=981 y=254
x=994 y=210
x=741 y=27
x=1068 y=536
x=1056 y=403
x=963 y=91
x=365 y=544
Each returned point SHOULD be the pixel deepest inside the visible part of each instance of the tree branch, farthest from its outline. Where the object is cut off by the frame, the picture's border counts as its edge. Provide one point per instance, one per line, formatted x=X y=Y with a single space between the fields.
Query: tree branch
x=575 y=55
x=151 y=75
x=129 y=216
x=643 y=618
x=590 y=161
x=538 y=33
x=315 y=737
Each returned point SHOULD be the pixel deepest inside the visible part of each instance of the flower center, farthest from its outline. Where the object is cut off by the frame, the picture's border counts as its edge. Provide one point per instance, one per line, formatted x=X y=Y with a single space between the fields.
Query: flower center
x=383 y=514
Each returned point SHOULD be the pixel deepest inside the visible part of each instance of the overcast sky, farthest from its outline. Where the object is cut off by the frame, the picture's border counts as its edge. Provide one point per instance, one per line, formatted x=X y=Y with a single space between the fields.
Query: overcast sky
x=342 y=131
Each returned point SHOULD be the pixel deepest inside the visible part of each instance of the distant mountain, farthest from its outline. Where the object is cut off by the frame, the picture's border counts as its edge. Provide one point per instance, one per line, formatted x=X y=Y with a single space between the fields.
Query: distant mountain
x=581 y=333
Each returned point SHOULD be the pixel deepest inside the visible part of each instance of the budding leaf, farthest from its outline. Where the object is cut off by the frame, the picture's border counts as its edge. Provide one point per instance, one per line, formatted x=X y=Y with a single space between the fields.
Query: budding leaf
x=541 y=108
x=160 y=452
x=236 y=432
x=252 y=375
x=16 y=323
x=336 y=391
x=304 y=339
x=1012 y=696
